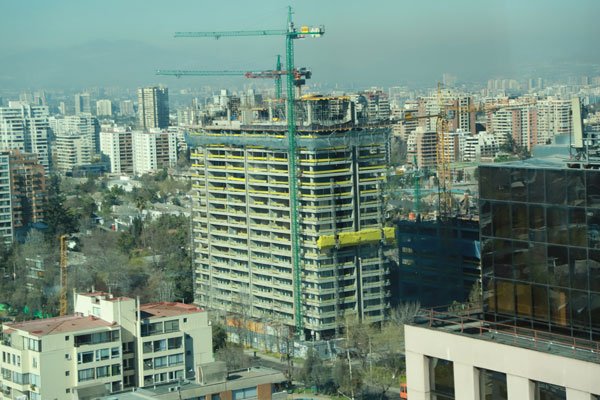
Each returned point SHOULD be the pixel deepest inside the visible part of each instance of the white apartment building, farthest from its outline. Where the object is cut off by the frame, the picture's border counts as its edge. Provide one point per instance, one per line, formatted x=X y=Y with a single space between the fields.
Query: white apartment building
x=75 y=142
x=519 y=122
x=481 y=145
x=153 y=150
x=6 y=216
x=126 y=108
x=116 y=144
x=83 y=103
x=554 y=118
x=26 y=128
x=104 y=108
x=108 y=344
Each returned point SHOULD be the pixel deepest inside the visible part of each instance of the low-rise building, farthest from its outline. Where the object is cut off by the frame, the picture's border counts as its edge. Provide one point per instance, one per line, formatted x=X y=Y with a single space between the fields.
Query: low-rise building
x=107 y=345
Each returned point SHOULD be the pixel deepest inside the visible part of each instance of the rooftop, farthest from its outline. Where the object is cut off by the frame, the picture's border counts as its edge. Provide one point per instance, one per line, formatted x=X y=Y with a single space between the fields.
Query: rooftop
x=470 y=322
x=49 y=326
x=247 y=378
x=168 y=309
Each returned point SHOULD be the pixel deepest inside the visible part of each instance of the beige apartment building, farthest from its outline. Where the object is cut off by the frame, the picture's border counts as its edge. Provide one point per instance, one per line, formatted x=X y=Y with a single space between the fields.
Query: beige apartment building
x=107 y=345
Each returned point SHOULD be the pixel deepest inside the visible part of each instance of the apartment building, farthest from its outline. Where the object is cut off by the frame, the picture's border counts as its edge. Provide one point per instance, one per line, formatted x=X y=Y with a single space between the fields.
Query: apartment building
x=242 y=220
x=28 y=189
x=26 y=128
x=6 y=217
x=104 y=108
x=83 y=103
x=153 y=107
x=519 y=123
x=108 y=344
x=116 y=144
x=153 y=150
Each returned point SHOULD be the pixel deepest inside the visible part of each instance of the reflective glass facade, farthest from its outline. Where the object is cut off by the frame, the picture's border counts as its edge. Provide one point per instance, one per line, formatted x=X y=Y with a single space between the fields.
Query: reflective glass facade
x=540 y=238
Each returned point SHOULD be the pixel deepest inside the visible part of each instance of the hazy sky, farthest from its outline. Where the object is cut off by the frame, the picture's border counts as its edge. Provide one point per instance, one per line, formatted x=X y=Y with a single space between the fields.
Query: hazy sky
x=78 y=43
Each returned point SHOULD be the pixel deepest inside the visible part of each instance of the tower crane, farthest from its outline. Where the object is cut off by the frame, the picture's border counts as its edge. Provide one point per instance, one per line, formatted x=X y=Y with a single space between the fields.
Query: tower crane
x=291 y=33
x=299 y=74
x=63 y=275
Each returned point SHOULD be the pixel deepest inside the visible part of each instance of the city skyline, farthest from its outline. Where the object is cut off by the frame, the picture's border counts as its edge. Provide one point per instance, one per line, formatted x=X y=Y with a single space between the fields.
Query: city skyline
x=388 y=43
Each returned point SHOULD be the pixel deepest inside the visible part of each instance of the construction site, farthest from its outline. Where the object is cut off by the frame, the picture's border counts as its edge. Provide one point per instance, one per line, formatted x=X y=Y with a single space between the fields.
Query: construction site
x=243 y=218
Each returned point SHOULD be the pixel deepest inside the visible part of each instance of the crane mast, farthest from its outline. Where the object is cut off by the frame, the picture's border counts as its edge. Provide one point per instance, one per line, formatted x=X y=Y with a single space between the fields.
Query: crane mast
x=63 y=275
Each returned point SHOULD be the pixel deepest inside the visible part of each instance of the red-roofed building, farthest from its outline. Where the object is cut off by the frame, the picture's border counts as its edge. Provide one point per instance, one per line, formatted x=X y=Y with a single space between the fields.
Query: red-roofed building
x=109 y=344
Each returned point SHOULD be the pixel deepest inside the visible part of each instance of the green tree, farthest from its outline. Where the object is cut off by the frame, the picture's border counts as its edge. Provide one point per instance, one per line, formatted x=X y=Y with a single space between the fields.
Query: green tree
x=234 y=356
x=313 y=372
x=60 y=219
x=219 y=336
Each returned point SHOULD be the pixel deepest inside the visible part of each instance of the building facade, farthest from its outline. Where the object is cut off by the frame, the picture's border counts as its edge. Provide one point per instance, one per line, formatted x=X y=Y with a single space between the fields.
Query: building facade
x=28 y=189
x=438 y=261
x=242 y=219
x=116 y=144
x=108 y=345
x=83 y=103
x=104 y=108
x=153 y=107
x=6 y=217
x=537 y=334
x=26 y=128
x=153 y=151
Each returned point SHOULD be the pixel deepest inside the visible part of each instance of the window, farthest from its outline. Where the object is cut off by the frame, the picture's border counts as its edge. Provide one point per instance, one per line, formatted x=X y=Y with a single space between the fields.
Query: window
x=441 y=375
x=162 y=377
x=152 y=329
x=160 y=362
x=244 y=393
x=160 y=345
x=547 y=391
x=115 y=369
x=148 y=380
x=114 y=352
x=67 y=373
x=66 y=338
x=175 y=375
x=176 y=359
x=127 y=347
x=32 y=344
x=101 y=372
x=34 y=362
x=148 y=363
x=85 y=374
x=128 y=364
x=492 y=385
x=102 y=354
x=172 y=326
x=174 y=343
x=85 y=357
x=147 y=347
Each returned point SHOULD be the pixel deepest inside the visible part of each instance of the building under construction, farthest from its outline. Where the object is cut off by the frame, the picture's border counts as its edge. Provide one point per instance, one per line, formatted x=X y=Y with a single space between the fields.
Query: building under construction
x=438 y=261
x=242 y=216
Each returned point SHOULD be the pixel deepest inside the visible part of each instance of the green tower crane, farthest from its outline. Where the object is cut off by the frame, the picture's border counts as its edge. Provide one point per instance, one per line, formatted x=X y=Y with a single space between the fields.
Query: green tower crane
x=290 y=34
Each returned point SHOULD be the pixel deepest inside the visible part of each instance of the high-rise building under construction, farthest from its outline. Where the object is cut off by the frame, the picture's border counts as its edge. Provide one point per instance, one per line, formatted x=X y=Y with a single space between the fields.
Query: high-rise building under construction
x=242 y=217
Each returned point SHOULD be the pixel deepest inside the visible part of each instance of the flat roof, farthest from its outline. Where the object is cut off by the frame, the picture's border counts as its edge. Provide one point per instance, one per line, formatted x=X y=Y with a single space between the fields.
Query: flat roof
x=168 y=309
x=68 y=323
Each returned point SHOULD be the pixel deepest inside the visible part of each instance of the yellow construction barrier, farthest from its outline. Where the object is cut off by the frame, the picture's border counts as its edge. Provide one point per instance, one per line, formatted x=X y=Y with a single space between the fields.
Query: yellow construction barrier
x=344 y=239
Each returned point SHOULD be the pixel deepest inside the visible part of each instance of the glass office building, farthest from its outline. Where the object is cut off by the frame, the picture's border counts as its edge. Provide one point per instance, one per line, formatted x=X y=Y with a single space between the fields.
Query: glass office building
x=540 y=238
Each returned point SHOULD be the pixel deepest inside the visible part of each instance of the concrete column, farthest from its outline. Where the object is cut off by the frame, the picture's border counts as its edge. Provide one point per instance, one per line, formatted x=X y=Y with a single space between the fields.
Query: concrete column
x=466 y=382
x=417 y=376
x=573 y=394
x=520 y=388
